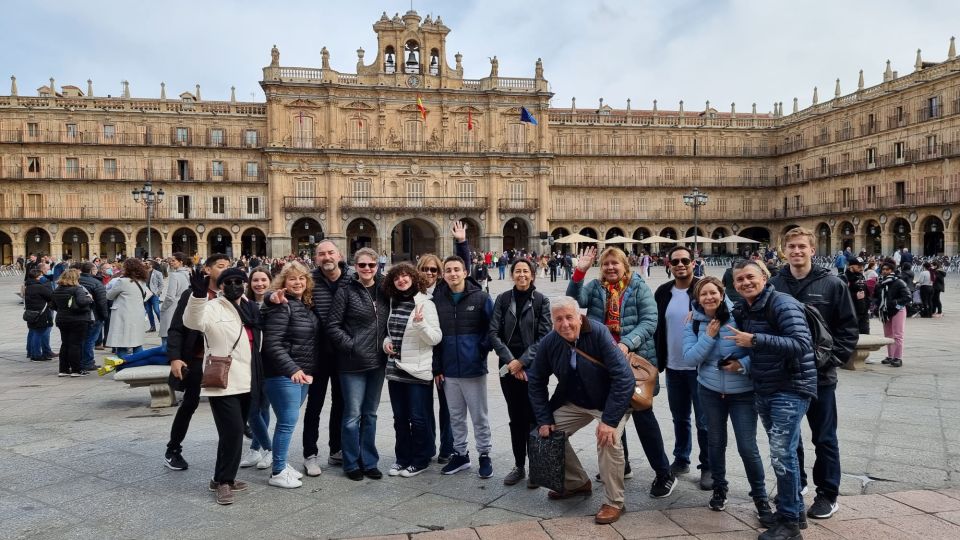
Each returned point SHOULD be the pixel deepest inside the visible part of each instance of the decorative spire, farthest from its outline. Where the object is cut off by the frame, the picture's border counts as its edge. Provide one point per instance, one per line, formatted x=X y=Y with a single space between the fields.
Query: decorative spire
x=89 y=87
x=163 y=90
x=816 y=96
x=952 y=51
x=13 y=85
x=733 y=108
x=573 y=103
x=233 y=94
x=654 y=105
x=126 y=89
x=888 y=73
x=836 y=89
x=754 y=109
x=538 y=69
x=708 y=105
x=796 y=106
x=780 y=108
x=681 y=107
x=198 y=92
x=628 y=105
x=53 y=88
x=274 y=56
x=918 y=65
x=601 y=103
x=860 y=82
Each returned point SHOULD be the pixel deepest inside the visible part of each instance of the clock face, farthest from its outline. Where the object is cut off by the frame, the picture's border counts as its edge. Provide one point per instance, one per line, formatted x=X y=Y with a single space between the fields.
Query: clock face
x=413 y=81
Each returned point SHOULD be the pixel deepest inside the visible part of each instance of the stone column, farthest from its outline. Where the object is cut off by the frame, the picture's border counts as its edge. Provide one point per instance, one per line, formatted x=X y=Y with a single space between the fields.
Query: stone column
x=237 y=246
x=950 y=242
x=886 y=241
x=56 y=248
x=202 y=248
x=278 y=246
x=166 y=248
x=916 y=241
x=859 y=241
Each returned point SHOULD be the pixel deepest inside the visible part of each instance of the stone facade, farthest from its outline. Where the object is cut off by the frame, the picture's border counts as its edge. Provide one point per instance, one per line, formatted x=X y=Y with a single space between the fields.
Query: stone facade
x=353 y=157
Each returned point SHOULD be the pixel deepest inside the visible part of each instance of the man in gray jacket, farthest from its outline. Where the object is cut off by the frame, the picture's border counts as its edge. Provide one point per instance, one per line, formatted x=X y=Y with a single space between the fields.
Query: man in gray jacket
x=178 y=282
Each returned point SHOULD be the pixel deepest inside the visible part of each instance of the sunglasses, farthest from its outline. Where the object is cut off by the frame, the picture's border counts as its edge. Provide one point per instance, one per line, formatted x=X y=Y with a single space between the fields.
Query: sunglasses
x=430 y=269
x=366 y=265
x=680 y=262
x=234 y=281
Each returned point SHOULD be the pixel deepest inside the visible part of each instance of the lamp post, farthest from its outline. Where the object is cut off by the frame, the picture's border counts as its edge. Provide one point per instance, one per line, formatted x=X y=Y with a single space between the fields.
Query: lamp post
x=149 y=198
x=695 y=199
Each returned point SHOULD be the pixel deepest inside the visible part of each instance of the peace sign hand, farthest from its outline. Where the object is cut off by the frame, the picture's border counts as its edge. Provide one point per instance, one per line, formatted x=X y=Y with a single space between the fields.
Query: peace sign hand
x=742 y=339
x=418 y=314
x=586 y=258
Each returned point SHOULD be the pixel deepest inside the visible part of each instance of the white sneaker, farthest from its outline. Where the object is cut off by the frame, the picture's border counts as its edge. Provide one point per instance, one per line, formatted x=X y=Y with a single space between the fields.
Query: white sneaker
x=285 y=479
x=296 y=474
x=394 y=470
x=871 y=360
x=251 y=458
x=312 y=466
x=266 y=460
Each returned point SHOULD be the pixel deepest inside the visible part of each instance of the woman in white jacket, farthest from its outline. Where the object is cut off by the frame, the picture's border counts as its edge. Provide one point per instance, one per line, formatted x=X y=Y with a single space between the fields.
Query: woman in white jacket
x=128 y=321
x=412 y=329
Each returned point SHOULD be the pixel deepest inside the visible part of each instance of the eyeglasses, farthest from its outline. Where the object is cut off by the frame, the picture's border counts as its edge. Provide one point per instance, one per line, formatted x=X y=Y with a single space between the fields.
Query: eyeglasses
x=430 y=269
x=366 y=265
x=680 y=262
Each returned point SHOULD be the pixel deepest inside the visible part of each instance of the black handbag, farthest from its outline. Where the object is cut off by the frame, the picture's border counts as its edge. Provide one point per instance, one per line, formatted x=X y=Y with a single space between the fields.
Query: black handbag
x=547 y=459
x=31 y=316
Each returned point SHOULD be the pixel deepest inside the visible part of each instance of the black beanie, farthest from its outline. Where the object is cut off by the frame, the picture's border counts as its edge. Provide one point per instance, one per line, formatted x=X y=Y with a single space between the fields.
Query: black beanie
x=231 y=273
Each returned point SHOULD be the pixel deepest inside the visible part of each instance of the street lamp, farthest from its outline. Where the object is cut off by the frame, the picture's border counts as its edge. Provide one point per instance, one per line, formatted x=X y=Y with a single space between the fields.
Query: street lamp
x=253 y=244
x=695 y=199
x=149 y=198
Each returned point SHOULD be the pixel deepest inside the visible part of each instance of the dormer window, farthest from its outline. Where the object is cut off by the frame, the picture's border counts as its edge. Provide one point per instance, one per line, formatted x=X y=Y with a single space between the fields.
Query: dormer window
x=411 y=50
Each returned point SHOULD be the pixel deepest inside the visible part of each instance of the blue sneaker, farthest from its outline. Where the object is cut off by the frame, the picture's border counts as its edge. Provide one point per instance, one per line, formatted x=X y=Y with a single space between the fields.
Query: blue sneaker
x=457 y=463
x=486 y=466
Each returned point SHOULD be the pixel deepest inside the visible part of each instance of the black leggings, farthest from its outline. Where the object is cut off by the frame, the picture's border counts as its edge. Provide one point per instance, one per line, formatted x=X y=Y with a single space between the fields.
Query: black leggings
x=230 y=415
x=521 y=416
x=937 y=306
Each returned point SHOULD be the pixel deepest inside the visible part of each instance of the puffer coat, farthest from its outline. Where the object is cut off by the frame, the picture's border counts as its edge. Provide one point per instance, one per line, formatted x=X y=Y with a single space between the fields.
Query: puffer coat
x=782 y=359
x=708 y=351
x=289 y=338
x=354 y=326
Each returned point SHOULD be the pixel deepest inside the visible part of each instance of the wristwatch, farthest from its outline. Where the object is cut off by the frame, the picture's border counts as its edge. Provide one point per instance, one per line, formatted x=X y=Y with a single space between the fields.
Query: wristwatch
x=753 y=340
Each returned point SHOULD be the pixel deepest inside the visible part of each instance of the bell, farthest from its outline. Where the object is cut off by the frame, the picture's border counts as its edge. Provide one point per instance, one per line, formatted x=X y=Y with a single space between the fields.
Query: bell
x=411 y=60
x=389 y=59
x=433 y=61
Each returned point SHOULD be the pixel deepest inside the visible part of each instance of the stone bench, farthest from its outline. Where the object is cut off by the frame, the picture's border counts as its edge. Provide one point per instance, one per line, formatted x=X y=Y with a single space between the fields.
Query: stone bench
x=867 y=344
x=156 y=377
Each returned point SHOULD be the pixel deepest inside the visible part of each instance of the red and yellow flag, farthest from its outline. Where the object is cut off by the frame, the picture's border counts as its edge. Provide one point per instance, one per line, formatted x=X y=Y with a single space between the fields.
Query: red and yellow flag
x=421 y=108
x=469 y=120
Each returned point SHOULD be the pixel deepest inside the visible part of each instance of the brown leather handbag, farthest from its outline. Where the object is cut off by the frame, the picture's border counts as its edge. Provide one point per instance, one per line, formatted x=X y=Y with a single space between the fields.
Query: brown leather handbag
x=644 y=374
x=216 y=369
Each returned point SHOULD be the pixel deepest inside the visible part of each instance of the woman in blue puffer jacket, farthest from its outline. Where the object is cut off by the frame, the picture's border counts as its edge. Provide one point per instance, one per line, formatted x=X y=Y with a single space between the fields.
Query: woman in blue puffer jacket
x=726 y=391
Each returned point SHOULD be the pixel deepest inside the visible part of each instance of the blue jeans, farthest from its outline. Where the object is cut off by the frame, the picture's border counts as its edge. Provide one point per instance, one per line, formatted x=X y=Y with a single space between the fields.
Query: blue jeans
x=502 y=270
x=124 y=351
x=822 y=419
x=156 y=356
x=361 y=396
x=38 y=342
x=259 y=419
x=682 y=392
x=741 y=409
x=92 y=336
x=781 y=414
x=412 y=410
x=286 y=397
x=152 y=305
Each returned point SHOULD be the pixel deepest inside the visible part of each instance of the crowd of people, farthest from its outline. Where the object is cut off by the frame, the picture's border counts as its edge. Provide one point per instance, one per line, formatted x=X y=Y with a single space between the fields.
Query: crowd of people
x=255 y=336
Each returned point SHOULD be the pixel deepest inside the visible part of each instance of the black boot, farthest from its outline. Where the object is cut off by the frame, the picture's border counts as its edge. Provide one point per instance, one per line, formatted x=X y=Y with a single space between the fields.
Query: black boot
x=783 y=530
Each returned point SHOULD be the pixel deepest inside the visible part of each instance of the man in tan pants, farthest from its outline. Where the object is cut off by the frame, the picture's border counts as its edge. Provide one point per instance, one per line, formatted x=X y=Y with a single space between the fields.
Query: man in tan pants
x=594 y=383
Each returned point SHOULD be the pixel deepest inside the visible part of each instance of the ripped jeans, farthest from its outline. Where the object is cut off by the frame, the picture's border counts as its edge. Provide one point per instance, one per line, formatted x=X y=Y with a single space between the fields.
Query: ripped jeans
x=781 y=414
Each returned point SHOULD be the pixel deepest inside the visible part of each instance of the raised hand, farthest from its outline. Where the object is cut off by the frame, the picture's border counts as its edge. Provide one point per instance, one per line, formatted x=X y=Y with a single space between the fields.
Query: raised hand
x=742 y=339
x=199 y=284
x=713 y=328
x=586 y=258
x=279 y=296
x=418 y=314
x=459 y=230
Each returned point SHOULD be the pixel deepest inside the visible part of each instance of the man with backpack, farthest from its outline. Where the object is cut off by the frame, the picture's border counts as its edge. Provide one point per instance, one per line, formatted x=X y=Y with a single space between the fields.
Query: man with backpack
x=816 y=287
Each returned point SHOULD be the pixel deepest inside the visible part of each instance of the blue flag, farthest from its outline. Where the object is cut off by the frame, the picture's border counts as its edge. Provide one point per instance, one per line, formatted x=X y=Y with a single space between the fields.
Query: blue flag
x=525 y=116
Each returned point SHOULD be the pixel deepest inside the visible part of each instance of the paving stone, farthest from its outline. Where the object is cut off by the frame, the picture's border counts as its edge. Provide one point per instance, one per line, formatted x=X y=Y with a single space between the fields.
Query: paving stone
x=927 y=501
x=578 y=528
x=924 y=526
x=857 y=529
x=952 y=517
x=703 y=520
x=453 y=534
x=637 y=525
x=871 y=506
x=526 y=530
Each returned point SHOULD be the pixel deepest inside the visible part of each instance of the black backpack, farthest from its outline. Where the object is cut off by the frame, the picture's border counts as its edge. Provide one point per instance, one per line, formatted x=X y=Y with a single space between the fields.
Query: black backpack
x=819 y=333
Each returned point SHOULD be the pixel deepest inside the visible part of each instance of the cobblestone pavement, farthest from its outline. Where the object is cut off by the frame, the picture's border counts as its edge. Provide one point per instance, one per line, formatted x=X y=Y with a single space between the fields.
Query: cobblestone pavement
x=82 y=458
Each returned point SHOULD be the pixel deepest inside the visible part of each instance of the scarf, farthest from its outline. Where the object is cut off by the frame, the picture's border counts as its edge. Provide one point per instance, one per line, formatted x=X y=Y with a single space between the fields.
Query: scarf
x=612 y=312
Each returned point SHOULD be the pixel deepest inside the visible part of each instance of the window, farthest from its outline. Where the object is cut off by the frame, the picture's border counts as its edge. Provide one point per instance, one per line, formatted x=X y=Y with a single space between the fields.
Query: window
x=415 y=193
x=931 y=145
x=797 y=171
x=183 y=205
x=764 y=205
x=219 y=205
x=361 y=192
x=898 y=115
x=33 y=164
x=933 y=107
x=559 y=204
x=183 y=170
x=695 y=174
x=217 y=168
x=900 y=192
x=253 y=206
x=871 y=123
x=357 y=132
x=516 y=139
x=872 y=194
x=109 y=132
x=823 y=165
x=252 y=169
x=721 y=205
x=33 y=129
x=110 y=167
x=305 y=193
x=302 y=131
x=871 y=157
x=668 y=148
x=667 y=204
x=412 y=134
x=466 y=191
x=846 y=197
x=721 y=173
x=669 y=174
x=72 y=167
x=642 y=175
x=182 y=135
x=71 y=130
x=615 y=207
x=898 y=149
x=517 y=191
x=746 y=174
x=217 y=137
x=250 y=137
x=34 y=203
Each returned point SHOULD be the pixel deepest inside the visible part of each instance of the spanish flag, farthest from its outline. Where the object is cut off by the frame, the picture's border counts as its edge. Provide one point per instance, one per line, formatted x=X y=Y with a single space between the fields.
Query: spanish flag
x=469 y=120
x=421 y=108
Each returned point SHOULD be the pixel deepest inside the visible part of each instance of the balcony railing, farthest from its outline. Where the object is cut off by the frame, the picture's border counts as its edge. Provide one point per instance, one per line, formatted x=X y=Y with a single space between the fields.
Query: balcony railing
x=305 y=204
x=624 y=149
x=191 y=138
x=518 y=205
x=414 y=203
x=173 y=174
x=98 y=212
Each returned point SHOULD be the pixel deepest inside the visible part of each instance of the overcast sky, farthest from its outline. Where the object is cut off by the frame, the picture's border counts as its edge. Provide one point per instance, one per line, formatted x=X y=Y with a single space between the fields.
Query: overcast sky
x=739 y=51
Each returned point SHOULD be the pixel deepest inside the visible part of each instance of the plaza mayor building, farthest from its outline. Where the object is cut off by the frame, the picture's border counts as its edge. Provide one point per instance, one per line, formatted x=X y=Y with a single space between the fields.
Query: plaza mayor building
x=389 y=153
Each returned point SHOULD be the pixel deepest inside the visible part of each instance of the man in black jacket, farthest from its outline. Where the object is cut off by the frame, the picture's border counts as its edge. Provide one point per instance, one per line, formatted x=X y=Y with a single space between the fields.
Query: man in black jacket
x=816 y=287
x=585 y=392
x=100 y=312
x=857 y=285
x=185 y=352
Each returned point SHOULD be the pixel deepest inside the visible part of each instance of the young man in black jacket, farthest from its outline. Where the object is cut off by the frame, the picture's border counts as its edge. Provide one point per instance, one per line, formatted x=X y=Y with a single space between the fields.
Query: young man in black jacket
x=100 y=312
x=816 y=287
x=185 y=352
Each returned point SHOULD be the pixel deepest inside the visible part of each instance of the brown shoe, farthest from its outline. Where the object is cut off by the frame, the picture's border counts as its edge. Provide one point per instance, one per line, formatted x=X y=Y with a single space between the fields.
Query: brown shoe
x=225 y=495
x=608 y=514
x=585 y=489
x=237 y=485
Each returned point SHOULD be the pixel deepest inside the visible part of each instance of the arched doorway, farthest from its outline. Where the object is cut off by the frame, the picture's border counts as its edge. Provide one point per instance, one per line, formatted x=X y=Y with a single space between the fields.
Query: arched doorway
x=37 y=242
x=900 y=229
x=639 y=234
x=361 y=233
x=760 y=234
x=823 y=239
x=112 y=243
x=611 y=232
x=932 y=236
x=516 y=234
x=874 y=242
x=411 y=238
x=304 y=234
x=185 y=241
x=589 y=232
x=155 y=247
x=846 y=235
x=76 y=244
x=253 y=243
x=557 y=234
x=220 y=240
x=6 y=249
x=473 y=233
x=718 y=248
x=667 y=232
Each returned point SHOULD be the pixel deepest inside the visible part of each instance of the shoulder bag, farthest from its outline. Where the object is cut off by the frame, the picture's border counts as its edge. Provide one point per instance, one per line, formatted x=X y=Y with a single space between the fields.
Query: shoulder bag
x=644 y=374
x=216 y=369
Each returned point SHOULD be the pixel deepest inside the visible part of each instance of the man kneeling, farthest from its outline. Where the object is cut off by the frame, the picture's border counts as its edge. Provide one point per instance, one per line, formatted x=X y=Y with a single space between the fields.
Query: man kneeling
x=586 y=391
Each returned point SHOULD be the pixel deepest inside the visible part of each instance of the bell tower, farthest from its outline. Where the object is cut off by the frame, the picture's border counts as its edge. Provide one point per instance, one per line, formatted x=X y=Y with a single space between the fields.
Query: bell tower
x=411 y=52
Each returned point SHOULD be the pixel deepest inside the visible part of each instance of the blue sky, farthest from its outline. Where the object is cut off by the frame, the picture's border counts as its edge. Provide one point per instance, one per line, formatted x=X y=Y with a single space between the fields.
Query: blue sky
x=723 y=51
